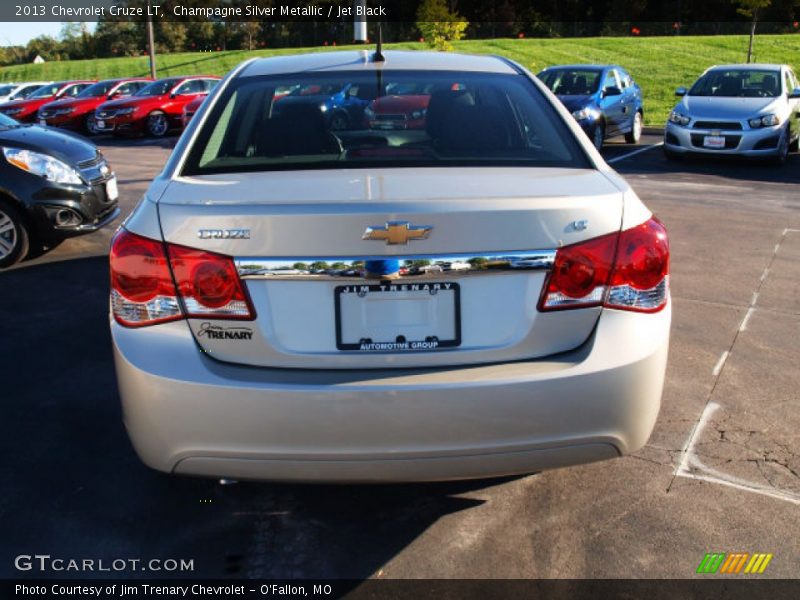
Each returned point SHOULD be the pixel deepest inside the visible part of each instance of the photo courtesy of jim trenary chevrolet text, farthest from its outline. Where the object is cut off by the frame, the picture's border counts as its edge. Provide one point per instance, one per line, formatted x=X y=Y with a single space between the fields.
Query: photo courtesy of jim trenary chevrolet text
x=400 y=299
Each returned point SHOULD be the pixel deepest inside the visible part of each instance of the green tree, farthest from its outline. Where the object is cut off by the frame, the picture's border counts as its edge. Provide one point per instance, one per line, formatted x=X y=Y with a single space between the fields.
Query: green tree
x=751 y=8
x=438 y=25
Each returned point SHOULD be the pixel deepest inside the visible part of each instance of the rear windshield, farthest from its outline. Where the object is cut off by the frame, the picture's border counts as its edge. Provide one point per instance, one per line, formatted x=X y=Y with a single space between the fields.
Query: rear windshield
x=6 y=89
x=738 y=83
x=571 y=82
x=389 y=119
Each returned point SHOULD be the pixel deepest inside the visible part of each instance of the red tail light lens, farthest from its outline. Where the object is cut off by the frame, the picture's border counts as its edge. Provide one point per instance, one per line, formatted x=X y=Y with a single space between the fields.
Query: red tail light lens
x=209 y=284
x=143 y=291
x=628 y=270
x=580 y=274
x=640 y=280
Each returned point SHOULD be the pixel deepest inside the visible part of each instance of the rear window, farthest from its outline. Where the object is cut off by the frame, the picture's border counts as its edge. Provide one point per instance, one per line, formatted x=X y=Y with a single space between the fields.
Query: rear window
x=388 y=119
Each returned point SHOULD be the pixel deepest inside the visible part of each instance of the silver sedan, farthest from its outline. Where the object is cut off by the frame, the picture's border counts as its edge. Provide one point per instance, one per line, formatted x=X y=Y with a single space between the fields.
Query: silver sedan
x=482 y=296
x=746 y=110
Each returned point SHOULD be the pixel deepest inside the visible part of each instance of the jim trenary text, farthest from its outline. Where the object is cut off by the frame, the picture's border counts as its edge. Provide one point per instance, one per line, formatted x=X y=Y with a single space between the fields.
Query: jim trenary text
x=125 y=590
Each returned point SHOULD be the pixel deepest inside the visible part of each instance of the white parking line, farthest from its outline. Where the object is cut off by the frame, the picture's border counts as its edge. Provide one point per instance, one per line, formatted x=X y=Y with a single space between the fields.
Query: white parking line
x=691 y=466
x=720 y=363
x=634 y=153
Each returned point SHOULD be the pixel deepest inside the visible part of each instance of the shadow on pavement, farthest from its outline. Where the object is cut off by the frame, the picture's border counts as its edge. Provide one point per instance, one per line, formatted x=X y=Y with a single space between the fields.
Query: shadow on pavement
x=73 y=487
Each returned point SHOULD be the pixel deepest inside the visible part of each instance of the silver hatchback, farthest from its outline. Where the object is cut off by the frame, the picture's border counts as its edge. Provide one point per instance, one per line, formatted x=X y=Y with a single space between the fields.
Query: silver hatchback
x=746 y=110
x=477 y=295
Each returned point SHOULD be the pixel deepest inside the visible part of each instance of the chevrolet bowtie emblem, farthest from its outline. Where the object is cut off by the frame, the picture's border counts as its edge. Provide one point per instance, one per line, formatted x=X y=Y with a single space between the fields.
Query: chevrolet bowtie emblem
x=397 y=232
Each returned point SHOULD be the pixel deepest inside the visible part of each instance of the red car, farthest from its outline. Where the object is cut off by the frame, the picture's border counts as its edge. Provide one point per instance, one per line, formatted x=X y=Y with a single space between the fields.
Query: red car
x=191 y=108
x=155 y=109
x=403 y=107
x=25 y=110
x=78 y=113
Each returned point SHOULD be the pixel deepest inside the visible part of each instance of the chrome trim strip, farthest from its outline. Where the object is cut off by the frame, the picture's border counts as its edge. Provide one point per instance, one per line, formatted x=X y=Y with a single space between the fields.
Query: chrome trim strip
x=352 y=268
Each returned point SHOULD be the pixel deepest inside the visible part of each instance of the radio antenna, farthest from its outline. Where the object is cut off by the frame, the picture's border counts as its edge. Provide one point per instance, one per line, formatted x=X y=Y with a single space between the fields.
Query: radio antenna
x=378 y=56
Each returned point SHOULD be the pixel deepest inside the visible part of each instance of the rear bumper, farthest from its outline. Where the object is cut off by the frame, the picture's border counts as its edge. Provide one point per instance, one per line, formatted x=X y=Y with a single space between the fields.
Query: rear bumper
x=189 y=414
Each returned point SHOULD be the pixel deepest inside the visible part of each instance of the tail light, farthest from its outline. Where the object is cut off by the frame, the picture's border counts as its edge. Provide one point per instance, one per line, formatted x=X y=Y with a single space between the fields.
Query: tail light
x=627 y=270
x=152 y=282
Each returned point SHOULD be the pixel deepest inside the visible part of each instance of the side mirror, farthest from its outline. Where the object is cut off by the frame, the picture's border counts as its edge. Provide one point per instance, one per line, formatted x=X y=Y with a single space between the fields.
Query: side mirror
x=612 y=91
x=174 y=95
x=795 y=93
x=681 y=91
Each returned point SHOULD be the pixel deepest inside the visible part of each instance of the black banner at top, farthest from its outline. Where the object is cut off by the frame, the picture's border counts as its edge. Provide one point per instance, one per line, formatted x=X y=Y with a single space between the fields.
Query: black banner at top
x=387 y=11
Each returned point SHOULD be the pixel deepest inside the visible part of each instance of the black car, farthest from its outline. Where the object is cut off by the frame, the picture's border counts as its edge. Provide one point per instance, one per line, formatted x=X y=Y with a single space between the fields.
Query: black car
x=53 y=185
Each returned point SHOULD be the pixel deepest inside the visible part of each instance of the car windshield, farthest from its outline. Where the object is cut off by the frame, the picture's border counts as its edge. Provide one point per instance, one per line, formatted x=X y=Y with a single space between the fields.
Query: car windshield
x=6 y=122
x=462 y=118
x=101 y=88
x=738 y=83
x=51 y=89
x=157 y=88
x=571 y=82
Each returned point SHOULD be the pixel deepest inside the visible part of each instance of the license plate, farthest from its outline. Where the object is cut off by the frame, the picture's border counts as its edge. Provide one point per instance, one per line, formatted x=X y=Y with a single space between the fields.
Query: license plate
x=100 y=124
x=42 y=122
x=714 y=141
x=398 y=317
x=111 y=189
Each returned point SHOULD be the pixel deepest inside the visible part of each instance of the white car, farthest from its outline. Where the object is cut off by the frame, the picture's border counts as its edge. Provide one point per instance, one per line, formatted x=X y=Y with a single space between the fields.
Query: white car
x=745 y=110
x=19 y=91
x=228 y=367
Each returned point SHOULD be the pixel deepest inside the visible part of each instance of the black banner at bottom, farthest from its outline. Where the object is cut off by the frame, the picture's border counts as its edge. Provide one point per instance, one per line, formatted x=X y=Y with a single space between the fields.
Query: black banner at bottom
x=646 y=589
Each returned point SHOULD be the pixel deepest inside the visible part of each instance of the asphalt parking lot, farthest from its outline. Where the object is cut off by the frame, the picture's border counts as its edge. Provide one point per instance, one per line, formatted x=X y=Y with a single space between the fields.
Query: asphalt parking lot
x=721 y=472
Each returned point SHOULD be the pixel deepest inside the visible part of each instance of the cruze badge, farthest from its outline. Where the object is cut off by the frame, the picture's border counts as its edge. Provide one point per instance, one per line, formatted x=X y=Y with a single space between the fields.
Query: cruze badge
x=223 y=234
x=397 y=232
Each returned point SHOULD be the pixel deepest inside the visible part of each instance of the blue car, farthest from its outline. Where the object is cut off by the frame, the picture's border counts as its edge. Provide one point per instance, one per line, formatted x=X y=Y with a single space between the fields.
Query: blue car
x=604 y=99
x=342 y=104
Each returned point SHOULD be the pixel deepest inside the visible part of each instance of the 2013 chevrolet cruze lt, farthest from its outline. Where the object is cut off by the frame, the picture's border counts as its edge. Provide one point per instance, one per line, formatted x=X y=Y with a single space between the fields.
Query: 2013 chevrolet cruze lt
x=284 y=304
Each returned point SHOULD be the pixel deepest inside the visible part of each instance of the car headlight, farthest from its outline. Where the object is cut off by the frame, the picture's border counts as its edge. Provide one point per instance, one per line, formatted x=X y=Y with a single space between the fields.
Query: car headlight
x=64 y=111
x=764 y=121
x=126 y=111
x=678 y=118
x=42 y=165
x=369 y=113
x=12 y=111
x=583 y=113
x=418 y=114
x=323 y=108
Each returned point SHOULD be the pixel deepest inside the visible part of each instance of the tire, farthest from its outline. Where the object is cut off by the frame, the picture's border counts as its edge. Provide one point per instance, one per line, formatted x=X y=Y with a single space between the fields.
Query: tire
x=157 y=124
x=14 y=238
x=599 y=136
x=635 y=134
x=794 y=145
x=339 y=122
x=783 y=150
x=89 y=125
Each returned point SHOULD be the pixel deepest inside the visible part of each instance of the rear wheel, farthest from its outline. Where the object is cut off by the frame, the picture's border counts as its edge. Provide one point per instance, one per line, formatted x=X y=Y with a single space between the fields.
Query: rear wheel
x=635 y=134
x=599 y=135
x=13 y=235
x=157 y=124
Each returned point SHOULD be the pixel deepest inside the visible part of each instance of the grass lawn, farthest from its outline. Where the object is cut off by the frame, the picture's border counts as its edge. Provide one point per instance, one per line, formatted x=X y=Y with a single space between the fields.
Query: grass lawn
x=659 y=64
